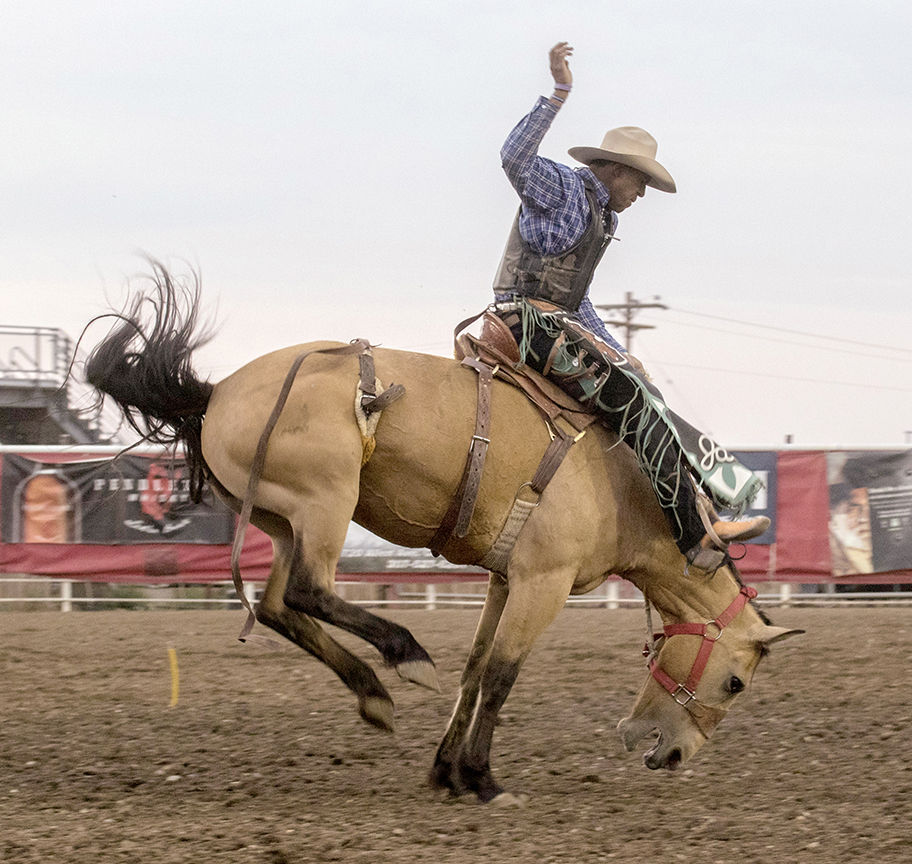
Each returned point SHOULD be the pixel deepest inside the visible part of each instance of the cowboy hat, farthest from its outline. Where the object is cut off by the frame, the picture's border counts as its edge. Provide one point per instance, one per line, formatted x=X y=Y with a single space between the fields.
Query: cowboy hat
x=631 y=146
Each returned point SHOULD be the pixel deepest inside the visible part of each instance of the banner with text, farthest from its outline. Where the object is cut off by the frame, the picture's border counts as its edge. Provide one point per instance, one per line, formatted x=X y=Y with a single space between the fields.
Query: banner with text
x=128 y=500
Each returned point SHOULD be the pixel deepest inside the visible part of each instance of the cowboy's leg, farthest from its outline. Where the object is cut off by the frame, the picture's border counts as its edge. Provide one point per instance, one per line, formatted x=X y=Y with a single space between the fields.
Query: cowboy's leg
x=571 y=361
x=660 y=439
x=619 y=402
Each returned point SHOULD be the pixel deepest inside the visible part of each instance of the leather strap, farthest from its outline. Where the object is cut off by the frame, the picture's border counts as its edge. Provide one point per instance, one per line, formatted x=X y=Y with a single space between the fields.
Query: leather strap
x=558 y=448
x=371 y=401
x=256 y=471
x=479 y=449
x=497 y=558
x=711 y=631
x=458 y=517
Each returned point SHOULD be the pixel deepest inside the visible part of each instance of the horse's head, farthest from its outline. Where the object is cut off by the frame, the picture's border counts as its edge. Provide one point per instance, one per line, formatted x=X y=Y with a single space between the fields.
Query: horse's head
x=696 y=673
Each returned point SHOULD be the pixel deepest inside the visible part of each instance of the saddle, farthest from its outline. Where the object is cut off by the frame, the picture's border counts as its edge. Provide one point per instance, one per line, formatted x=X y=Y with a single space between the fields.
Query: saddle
x=494 y=353
x=496 y=346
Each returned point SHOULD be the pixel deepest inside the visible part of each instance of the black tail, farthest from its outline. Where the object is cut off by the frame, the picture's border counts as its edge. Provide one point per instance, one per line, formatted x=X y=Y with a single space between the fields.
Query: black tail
x=145 y=367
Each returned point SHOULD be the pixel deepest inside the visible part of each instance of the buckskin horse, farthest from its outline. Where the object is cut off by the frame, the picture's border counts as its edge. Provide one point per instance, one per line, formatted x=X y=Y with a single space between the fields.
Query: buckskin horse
x=314 y=472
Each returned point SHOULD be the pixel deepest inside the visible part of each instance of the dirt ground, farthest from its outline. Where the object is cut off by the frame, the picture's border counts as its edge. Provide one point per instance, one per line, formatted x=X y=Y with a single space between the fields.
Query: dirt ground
x=264 y=759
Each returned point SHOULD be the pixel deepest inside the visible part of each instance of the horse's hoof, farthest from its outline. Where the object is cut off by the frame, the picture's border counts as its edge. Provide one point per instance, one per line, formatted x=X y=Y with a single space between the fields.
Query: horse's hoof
x=421 y=672
x=446 y=781
x=508 y=801
x=378 y=712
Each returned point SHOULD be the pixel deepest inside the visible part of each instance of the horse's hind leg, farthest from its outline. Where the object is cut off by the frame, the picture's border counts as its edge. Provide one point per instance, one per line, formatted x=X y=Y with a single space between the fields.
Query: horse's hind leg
x=374 y=702
x=311 y=579
x=445 y=773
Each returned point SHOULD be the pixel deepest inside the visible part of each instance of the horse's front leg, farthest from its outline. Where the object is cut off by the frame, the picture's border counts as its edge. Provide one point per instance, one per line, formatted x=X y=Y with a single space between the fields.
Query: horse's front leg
x=532 y=604
x=445 y=773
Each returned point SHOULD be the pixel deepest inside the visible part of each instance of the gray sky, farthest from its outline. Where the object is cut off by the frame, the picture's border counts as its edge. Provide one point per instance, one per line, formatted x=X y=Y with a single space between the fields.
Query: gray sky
x=333 y=171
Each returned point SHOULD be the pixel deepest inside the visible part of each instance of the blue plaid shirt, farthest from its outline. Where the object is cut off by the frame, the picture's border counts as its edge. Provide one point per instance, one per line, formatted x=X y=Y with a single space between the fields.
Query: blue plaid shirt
x=555 y=210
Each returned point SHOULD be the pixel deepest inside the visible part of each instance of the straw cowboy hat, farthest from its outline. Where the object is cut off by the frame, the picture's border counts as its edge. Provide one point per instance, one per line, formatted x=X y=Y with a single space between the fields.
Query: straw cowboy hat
x=631 y=146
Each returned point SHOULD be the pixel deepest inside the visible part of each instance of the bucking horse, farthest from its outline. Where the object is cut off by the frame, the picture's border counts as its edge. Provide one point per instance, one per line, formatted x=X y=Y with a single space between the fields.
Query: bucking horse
x=284 y=442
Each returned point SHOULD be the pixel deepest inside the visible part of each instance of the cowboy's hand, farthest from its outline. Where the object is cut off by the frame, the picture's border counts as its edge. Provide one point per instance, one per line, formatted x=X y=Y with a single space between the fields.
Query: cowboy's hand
x=560 y=69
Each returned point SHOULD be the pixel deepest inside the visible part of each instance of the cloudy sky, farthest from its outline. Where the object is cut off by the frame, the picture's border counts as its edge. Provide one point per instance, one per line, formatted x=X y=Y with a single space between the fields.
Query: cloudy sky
x=332 y=170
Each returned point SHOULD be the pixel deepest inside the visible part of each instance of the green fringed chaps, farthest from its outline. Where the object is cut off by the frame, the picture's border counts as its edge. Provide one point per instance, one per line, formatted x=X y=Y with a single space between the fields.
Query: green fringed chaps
x=669 y=450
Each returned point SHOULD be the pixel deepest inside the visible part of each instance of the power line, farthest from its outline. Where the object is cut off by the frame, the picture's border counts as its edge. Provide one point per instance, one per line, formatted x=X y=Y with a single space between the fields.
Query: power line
x=865 y=384
x=794 y=342
x=794 y=332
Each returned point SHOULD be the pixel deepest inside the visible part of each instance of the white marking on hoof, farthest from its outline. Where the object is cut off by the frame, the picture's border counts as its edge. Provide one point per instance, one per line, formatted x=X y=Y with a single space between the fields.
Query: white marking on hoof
x=378 y=712
x=419 y=672
x=509 y=801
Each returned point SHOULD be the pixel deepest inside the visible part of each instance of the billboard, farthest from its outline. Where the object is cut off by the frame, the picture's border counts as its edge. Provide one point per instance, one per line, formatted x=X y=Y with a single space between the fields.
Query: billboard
x=763 y=464
x=127 y=500
x=870 y=519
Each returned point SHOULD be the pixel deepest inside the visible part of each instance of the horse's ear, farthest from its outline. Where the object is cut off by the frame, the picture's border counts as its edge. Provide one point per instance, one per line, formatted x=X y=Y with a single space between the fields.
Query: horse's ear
x=766 y=634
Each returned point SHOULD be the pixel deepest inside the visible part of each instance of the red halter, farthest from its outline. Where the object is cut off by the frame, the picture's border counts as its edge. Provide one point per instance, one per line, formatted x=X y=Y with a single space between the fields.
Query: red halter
x=685 y=694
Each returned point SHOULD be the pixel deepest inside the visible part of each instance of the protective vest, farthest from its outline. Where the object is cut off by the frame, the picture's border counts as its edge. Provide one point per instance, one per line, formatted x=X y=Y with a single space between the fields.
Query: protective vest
x=560 y=279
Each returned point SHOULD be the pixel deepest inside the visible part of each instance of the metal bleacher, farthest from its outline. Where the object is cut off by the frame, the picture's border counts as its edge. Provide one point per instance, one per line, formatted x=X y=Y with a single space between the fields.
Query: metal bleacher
x=42 y=401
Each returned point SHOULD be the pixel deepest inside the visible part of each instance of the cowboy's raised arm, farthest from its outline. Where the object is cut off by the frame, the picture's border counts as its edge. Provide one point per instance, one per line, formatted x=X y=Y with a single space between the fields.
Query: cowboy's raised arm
x=558 y=58
x=539 y=181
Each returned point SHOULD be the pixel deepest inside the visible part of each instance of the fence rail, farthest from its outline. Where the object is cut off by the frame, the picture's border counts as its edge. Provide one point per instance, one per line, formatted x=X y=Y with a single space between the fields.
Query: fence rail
x=612 y=595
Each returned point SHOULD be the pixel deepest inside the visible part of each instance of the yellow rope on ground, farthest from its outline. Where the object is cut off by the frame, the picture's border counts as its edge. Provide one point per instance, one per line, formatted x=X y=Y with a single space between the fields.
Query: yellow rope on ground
x=175 y=677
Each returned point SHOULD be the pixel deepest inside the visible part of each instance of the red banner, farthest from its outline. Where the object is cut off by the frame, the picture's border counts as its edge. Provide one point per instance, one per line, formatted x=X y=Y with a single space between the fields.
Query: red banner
x=798 y=551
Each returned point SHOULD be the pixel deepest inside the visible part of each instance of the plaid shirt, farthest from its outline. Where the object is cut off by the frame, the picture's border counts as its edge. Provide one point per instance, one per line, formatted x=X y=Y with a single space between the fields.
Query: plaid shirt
x=555 y=210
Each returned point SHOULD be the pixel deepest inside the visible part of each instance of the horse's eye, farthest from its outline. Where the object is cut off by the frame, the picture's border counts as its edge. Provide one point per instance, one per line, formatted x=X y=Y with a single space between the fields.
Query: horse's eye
x=735 y=685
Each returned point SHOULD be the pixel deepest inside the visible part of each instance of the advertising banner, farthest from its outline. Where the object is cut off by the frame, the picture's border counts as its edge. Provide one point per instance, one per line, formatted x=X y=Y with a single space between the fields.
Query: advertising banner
x=870 y=525
x=128 y=500
x=763 y=464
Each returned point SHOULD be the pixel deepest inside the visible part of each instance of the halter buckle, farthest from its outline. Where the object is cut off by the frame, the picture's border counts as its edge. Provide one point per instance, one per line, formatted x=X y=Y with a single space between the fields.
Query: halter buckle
x=708 y=635
x=690 y=697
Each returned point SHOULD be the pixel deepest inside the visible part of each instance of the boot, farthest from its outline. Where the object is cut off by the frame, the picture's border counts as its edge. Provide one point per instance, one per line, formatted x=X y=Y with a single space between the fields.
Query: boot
x=744 y=529
x=709 y=553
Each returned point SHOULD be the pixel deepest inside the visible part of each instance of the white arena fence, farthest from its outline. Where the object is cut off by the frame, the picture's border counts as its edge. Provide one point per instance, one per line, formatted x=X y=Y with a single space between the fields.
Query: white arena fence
x=38 y=592
x=389 y=577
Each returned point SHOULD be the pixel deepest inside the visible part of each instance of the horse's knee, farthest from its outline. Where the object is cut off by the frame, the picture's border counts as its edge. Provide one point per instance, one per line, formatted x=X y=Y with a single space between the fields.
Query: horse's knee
x=306 y=597
x=474 y=663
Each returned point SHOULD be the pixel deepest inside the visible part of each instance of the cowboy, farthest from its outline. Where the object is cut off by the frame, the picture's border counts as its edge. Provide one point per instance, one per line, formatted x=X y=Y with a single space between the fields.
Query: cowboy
x=566 y=219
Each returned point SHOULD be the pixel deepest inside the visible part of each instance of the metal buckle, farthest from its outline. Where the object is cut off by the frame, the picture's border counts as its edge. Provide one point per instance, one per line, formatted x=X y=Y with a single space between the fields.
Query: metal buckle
x=682 y=689
x=718 y=627
x=528 y=485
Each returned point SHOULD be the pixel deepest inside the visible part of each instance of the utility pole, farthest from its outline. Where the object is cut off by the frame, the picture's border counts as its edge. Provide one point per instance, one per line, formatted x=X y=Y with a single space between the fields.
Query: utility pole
x=629 y=310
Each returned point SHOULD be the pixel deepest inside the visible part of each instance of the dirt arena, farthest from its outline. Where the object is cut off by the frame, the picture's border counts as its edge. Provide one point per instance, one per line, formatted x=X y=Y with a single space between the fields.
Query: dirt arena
x=264 y=758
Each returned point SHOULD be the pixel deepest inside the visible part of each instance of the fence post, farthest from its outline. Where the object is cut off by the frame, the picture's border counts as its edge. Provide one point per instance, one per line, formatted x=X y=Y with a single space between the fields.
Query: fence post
x=430 y=596
x=785 y=593
x=613 y=594
x=66 y=596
